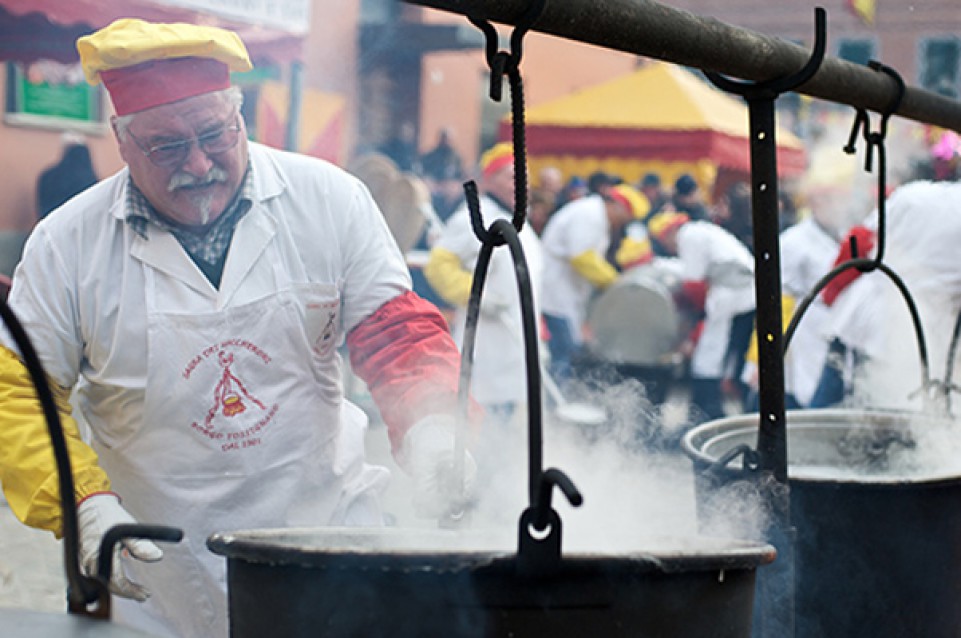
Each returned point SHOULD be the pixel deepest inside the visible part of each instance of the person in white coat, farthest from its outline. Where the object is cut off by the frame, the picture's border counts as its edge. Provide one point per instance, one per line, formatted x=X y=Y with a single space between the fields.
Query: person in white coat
x=718 y=277
x=195 y=301
x=498 y=380
x=869 y=322
x=575 y=241
x=808 y=251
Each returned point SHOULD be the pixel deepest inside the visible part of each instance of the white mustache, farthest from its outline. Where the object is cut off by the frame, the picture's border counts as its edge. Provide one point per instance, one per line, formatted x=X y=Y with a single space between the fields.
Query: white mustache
x=180 y=179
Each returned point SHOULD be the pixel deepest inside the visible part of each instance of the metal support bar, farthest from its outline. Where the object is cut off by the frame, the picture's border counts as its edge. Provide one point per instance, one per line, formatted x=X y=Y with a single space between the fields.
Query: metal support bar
x=776 y=588
x=292 y=134
x=653 y=30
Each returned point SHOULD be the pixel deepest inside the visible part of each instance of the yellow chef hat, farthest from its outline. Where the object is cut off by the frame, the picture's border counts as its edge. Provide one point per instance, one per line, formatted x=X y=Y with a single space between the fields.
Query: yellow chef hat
x=144 y=64
x=664 y=222
x=634 y=200
x=496 y=158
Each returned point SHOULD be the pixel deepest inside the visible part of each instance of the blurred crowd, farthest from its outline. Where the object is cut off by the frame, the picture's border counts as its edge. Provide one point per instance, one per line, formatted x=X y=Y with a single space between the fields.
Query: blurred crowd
x=587 y=234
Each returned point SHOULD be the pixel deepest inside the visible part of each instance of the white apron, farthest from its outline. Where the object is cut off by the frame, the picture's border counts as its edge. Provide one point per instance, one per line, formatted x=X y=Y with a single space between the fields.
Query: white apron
x=709 y=253
x=244 y=427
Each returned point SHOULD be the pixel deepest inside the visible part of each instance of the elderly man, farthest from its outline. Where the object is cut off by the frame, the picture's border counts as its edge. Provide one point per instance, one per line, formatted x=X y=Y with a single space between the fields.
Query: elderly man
x=575 y=241
x=195 y=301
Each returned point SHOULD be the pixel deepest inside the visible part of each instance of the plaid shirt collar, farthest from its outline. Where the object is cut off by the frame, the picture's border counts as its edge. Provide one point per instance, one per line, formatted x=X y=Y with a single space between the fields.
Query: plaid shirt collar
x=209 y=245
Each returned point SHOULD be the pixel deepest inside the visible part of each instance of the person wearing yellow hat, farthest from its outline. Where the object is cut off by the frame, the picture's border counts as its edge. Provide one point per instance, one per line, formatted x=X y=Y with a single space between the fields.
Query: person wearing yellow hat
x=575 y=240
x=717 y=273
x=196 y=301
x=498 y=378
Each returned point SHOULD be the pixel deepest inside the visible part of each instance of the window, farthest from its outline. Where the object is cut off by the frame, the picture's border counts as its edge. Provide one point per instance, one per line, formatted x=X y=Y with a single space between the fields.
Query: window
x=856 y=51
x=939 y=65
x=52 y=95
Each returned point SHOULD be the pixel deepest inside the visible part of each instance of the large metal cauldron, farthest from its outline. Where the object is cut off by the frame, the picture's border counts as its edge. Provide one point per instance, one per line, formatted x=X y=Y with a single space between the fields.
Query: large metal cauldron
x=391 y=582
x=876 y=502
x=635 y=327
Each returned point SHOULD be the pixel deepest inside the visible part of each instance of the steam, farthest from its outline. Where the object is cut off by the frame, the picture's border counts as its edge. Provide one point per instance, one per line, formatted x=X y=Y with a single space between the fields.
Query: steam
x=836 y=188
x=637 y=489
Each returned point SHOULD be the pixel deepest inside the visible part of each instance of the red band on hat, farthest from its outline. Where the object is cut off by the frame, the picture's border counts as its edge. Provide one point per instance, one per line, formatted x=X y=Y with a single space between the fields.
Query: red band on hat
x=617 y=196
x=149 y=84
x=497 y=164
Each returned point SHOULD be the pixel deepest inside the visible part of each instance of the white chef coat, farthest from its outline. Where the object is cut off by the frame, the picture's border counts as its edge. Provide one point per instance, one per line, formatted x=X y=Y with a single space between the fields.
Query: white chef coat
x=808 y=252
x=923 y=236
x=574 y=229
x=711 y=254
x=211 y=409
x=499 y=371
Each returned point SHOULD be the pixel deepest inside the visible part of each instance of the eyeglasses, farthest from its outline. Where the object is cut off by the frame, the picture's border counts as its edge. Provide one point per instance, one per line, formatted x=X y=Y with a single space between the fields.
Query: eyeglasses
x=169 y=154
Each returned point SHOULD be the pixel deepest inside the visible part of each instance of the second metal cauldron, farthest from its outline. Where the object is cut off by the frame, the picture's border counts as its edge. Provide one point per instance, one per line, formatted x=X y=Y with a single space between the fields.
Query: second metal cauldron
x=398 y=583
x=876 y=502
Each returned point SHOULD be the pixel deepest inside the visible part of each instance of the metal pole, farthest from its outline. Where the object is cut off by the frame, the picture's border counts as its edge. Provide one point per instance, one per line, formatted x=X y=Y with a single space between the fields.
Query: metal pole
x=776 y=585
x=292 y=135
x=653 y=30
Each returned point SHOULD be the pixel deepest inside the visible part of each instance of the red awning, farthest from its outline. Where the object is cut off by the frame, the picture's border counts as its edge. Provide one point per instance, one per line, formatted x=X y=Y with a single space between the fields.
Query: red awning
x=47 y=29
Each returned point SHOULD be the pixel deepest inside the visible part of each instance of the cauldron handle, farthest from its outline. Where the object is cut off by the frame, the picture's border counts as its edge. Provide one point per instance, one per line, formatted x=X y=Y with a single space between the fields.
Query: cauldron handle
x=535 y=556
x=541 y=555
x=750 y=461
x=538 y=555
x=114 y=535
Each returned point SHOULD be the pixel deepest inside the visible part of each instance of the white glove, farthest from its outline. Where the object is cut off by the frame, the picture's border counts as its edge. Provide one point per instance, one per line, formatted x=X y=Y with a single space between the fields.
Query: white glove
x=429 y=450
x=95 y=516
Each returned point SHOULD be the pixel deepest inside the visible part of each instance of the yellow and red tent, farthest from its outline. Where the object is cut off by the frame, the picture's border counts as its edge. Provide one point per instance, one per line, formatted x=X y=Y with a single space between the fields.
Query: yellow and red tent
x=322 y=123
x=659 y=118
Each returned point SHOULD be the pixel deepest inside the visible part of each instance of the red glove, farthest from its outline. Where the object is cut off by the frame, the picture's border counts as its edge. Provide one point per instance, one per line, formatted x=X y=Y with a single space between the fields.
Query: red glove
x=864 y=240
x=691 y=296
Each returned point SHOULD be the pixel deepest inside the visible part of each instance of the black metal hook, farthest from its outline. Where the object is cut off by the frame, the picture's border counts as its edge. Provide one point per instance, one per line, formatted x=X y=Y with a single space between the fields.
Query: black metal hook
x=875 y=139
x=776 y=86
x=502 y=62
x=550 y=479
x=862 y=121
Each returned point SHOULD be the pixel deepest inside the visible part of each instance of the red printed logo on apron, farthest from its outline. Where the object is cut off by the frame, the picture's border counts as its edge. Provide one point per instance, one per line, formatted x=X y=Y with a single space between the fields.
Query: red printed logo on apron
x=236 y=417
x=322 y=326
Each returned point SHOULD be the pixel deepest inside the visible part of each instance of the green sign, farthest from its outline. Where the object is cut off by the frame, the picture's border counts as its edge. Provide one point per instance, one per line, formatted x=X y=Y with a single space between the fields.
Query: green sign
x=50 y=92
x=73 y=101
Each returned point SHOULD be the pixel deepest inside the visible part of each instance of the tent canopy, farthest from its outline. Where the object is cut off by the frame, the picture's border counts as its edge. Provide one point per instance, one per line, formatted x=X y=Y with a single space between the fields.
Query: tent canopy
x=31 y=30
x=659 y=118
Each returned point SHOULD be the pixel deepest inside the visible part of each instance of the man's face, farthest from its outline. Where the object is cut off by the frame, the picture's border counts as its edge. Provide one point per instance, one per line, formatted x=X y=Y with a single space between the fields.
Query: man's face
x=617 y=213
x=196 y=190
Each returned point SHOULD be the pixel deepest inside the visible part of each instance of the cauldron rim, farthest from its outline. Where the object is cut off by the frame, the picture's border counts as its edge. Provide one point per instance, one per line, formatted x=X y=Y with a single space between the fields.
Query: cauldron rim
x=277 y=546
x=694 y=441
x=14 y=622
